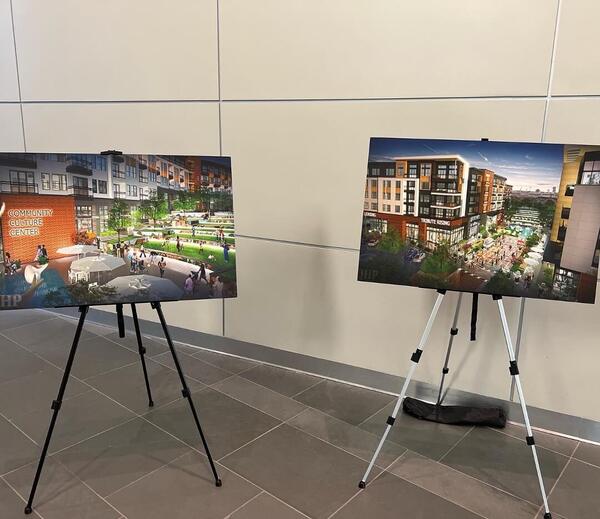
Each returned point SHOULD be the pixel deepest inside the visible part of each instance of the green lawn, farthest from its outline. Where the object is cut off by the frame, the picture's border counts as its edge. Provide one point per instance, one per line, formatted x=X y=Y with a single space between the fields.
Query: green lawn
x=193 y=252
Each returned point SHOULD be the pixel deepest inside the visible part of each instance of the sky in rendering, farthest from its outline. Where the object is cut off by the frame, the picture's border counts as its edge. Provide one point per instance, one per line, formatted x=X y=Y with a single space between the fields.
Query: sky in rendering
x=526 y=166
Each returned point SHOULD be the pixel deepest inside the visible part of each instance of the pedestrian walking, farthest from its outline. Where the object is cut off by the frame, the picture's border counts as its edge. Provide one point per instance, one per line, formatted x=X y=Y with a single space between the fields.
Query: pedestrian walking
x=162 y=265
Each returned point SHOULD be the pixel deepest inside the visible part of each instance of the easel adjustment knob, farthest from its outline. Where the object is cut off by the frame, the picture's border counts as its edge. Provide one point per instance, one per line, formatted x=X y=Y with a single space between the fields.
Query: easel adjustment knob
x=390 y=420
x=445 y=371
x=416 y=356
x=55 y=405
x=185 y=393
x=529 y=440
x=514 y=369
x=454 y=331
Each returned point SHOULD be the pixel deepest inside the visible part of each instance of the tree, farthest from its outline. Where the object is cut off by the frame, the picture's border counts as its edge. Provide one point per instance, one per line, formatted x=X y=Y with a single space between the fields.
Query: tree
x=502 y=284
x=154 y=207
x=440 y=260
x=391 y=241
x=118 y=217
x=185 y=202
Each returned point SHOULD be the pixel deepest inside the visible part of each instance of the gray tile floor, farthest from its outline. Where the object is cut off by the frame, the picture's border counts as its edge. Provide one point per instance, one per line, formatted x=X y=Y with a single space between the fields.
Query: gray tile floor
x=287 y=445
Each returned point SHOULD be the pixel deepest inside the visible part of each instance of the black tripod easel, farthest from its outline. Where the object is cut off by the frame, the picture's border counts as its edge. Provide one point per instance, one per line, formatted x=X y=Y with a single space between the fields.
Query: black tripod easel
x=56 y=404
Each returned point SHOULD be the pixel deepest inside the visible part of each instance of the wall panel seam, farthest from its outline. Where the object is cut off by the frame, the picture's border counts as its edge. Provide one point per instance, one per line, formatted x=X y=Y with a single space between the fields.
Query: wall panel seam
x=14 y=35
x=551 y=71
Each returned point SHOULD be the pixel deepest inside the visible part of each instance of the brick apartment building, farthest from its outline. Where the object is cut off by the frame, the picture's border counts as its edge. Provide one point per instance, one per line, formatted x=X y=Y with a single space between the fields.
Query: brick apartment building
x=433 y=198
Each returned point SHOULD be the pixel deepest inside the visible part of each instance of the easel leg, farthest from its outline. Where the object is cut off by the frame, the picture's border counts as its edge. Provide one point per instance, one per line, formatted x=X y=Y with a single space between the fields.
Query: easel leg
x=142 y=352
x=186 y=391
x=514 y=371
x=414 y=361
x=56 y=404
x=453 y=333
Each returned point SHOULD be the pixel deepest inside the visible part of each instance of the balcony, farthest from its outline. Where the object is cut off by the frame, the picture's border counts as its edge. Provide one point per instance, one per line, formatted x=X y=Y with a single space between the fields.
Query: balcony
x=119 y=194
x=18 y=160
x=81 y=191
x=78 y=165
x=18 y=187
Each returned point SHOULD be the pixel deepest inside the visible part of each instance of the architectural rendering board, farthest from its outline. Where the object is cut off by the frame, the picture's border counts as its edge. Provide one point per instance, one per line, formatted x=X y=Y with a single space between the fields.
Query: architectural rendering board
x=81 y=229
x=505 y=218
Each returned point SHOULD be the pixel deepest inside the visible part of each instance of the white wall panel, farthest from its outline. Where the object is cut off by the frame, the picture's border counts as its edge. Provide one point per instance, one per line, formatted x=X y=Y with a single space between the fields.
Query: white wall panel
x=300 y=167
x=114 y=50
x=574 y=121
x=11 y=129
x=307 y=300
x=383 y=48
x=173 y=128
x=9 y=90
x=577 y=61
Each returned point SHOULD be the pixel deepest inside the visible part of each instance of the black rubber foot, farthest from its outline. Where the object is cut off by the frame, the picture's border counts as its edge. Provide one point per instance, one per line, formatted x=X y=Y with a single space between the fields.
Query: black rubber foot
x=151 y=404
x=362 y=484
x=547 y=515
x=28 y=510
x=218 y=483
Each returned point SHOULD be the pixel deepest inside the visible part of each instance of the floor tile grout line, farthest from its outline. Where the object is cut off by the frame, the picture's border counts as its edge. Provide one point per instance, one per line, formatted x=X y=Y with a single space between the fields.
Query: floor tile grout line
x=558 y=478
x=89 y=488
x=249 y=442
x=22 y=498
x=4 y=330
x=375 y=437
x=153 y=471
x=501 y=490
x=377 y=412
x=342 y=448
x=11 y=422
x=456 y=444
x=228 y=516
x=460 y=505
x=358 y=492
x=293 y=397
x=538 y=445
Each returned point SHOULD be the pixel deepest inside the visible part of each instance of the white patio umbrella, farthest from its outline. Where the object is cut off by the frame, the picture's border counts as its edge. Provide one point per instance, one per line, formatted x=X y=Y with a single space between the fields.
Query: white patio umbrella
x=538 y=248
x=534 y=255
x=100 y=263
x=78 y=249
x=144 y=287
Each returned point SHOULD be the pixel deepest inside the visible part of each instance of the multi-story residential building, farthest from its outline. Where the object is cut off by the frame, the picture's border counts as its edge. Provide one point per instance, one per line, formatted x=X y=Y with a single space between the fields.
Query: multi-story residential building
x=208 y=174
x=432 y=198
x=581 y=166
x=93 y=181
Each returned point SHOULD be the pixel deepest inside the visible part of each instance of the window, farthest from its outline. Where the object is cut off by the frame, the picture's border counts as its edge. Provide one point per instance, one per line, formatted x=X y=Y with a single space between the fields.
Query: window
x=452 y=171
x=94 y=185
x=425 y=185
x=144 y=177
x=59 y=182
x=117 y=172
x=131 y=171
x=22 y=177
x=410 y=208
x=387 y=208
x=80 y=182
x=412 y=231
x=397 y=208
x=570 y=190
x=426 y=169
x=46 y=181
x=366 y=205
x=410 y=184
x=412 y=170
x=374 y=171
x=442 y=170
x=423 y=211
x=131 y=190
x=390 y=172
x=566 y=211
x=102 y=187
x=83 y=211
x=374 y=206
x=591 y=172
x=425 y=199
x=438 y=213
x=398 y=195
x=152 y=176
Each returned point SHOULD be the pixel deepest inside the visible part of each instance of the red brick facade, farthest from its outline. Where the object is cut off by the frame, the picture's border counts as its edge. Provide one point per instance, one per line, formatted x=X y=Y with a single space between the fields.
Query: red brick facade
x=32 y=220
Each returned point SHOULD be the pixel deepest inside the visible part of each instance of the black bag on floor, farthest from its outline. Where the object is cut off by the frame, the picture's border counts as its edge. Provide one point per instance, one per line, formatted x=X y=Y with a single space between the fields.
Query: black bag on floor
x=455 y=414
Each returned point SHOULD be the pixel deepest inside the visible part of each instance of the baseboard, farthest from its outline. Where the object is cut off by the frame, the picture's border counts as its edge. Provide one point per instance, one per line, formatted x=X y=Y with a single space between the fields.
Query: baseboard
x=543 y=419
